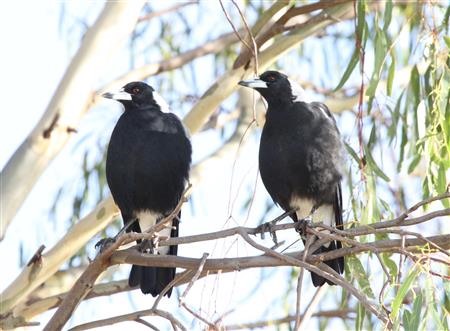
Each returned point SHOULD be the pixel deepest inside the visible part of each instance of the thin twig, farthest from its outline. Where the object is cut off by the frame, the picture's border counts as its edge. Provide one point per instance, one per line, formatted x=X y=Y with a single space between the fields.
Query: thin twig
x=340 y=313
x=400 y=265
x=234 y=29
x=213 y=266
x=309 y=241
x=324 y=271
x=180 y=278
x=86 y=281
x=211 y=325
x=196 y=275
x=312 y=304
x=427 y=201
x=252 y=38
x=181 y=300
x=131 y=317
x=161 y=12
x=441 y=242
x=147 y=324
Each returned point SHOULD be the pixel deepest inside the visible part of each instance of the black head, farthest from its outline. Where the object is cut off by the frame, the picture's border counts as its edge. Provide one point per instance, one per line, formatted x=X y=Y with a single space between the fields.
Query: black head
x=275 y=87
x=134 y=95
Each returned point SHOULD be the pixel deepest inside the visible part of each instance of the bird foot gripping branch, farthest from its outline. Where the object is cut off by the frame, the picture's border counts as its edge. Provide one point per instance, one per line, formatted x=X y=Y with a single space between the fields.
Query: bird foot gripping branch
x=301 y=227
x=300 y=157
x=104 y=243
x=268 y=227
x=147 y=170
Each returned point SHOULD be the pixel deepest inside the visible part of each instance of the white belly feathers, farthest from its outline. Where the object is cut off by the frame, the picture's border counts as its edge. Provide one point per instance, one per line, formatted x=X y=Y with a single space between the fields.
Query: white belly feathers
x=147 y=219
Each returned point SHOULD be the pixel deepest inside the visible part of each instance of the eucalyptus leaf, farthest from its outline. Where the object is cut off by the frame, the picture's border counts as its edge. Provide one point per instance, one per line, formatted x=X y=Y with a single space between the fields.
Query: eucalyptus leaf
x=405 y=287
x=358 y=272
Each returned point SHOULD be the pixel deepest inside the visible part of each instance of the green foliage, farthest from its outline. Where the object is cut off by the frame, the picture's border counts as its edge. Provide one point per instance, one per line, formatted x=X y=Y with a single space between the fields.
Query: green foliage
x=405 y=134
x=360 y=314
x=411 y=320
x=357 y=271
x=360 y=42
x=405 y=287
x=391 y=266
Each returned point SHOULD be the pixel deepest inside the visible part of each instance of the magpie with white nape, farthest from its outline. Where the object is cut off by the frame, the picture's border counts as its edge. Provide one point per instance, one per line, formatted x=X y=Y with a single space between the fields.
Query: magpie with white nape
x=301 y=157
x=147 y=168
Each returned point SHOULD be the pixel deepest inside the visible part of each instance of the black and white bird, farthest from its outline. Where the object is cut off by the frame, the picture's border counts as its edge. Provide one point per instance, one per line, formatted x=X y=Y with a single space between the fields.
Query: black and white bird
x=147 y=169
x=301 y=157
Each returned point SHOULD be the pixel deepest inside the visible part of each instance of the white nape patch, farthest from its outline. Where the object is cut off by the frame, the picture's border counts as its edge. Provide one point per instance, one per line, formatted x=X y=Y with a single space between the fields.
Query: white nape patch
x=161 y=102
x=324 y=214
x=298 y=92
x=147 y=219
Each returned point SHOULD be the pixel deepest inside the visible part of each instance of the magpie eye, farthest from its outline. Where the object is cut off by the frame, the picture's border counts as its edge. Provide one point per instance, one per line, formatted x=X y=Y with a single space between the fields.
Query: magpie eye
x=136 y=90
x=270 y=78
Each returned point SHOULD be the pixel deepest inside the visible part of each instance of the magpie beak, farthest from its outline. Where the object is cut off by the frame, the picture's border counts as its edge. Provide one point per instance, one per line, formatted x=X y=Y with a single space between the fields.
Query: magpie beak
x=120 y=95
x=253 y=83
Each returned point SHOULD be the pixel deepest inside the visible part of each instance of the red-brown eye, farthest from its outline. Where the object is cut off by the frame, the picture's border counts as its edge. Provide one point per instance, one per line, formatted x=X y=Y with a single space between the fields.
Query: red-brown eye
x=270 y=78
x=136 y=90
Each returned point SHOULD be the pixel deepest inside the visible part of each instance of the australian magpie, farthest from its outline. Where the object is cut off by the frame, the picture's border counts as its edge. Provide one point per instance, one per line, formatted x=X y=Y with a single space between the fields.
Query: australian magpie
x=147 y=168
x=300 y=157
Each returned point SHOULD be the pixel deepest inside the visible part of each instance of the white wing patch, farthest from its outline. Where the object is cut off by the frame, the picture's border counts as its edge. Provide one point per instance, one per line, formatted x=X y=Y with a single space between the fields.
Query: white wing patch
x=147 y=219
x=298 y=92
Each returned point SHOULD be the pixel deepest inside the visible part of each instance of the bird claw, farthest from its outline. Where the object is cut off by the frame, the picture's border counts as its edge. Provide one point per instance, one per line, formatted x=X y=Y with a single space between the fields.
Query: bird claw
x=301 y=227
x=146 y=246
x=104 y=243
x=268 y=227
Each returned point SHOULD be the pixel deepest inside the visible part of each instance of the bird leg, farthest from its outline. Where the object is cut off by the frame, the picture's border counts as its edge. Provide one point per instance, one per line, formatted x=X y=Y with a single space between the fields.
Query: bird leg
x=150 y=246
x=147 y=246
x=303 y=223
x=268 y=226
x=102 y=244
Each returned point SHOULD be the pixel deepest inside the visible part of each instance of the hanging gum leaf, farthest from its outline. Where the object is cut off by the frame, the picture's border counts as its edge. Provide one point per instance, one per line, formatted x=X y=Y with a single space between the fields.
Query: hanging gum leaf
x=402 y=291
x=357 y=271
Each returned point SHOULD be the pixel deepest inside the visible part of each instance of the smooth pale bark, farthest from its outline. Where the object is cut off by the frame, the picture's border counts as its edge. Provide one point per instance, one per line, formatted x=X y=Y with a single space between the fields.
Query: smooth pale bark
x=105 y=38
x=228 y=83
x=225 y=85
x=34 y=275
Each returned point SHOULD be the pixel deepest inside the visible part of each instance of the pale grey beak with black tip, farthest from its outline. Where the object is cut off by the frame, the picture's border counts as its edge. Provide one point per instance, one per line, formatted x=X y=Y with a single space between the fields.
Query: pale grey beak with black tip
x=119 y=95
x=253 y=83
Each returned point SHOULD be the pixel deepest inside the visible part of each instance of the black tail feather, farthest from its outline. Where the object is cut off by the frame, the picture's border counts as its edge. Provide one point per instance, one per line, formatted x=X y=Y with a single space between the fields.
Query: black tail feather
x=335 y=264
x=151 y=279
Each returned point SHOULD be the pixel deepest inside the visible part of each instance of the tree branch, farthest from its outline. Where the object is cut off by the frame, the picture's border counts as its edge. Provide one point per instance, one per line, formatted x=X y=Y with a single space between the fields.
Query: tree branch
x=164 y=11
x=279 y=26
x=175 y=62
x=130 y=317
x=34 y=275
x=340 y=313
x=213 y=266
x=227 y=264
x=105 y=37
x=85 y=283
x=14 y=293
x=227 y=84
